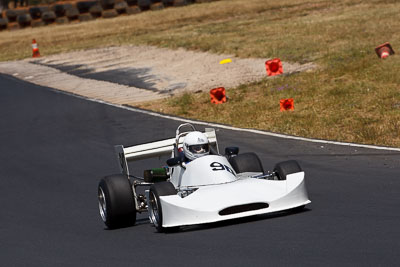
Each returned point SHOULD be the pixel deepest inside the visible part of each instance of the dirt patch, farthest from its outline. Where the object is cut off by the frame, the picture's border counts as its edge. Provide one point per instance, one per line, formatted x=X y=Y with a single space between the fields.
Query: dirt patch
x=132 y=74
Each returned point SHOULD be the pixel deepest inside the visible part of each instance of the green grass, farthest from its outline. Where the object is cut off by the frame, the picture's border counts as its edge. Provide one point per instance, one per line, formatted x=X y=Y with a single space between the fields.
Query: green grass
x=352 y=96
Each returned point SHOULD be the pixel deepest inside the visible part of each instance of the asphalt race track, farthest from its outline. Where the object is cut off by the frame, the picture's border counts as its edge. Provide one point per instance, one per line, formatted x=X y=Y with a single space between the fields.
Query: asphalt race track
x=56 y=147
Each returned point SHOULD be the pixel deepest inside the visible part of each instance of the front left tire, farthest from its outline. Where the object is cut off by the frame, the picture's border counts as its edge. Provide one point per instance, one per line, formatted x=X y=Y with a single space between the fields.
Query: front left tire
x=155 y=208
x=116 y=201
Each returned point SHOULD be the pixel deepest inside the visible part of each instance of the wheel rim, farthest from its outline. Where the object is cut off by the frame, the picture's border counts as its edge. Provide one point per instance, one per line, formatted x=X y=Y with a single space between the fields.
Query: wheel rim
x=154 y=212
x=102 y=204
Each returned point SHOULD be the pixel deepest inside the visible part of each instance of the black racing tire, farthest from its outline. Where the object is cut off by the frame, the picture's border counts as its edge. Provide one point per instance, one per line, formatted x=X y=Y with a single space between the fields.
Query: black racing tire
x=155 y=209
x=246 y=162
x=116 y=201
x=285 y=168
x=24 y=20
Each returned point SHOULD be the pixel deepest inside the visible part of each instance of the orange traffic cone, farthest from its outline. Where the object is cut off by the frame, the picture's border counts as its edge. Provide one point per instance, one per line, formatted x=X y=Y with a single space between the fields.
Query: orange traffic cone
x=35 y=49
x=274 y=67
x=218 y=95
x=287 y=104
x=384 y=50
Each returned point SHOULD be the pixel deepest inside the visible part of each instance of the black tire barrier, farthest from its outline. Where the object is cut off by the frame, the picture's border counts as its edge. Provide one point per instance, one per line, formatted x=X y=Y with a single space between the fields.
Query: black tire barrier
x=13 y=26
x=62 y=20
x=24 y=20
x=157 y=6
x=131 y=10
x=144 y=4
x=19 y=18
x=36 y=12
x=107 y=4
x=72 y=13
x=48 y=17
x=37 y=23
x=3 y=23
x=96 y=11
x=85 y=17
x=132 y=2
x=61 y=9
x=168 y=2
x=12 y=14
x=120 y=7
x=110 y=13
x=180 y=3
x=85 y=6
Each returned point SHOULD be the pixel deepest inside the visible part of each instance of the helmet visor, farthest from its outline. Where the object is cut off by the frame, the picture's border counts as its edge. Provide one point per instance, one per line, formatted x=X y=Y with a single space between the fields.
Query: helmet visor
x=199 y=149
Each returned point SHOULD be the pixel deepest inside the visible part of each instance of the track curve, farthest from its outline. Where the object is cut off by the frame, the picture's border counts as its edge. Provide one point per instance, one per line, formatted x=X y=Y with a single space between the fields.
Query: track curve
x=56 y=147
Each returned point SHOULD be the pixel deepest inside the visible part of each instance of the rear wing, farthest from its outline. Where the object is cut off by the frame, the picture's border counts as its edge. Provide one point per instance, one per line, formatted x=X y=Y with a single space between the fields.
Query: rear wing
x=155 y=149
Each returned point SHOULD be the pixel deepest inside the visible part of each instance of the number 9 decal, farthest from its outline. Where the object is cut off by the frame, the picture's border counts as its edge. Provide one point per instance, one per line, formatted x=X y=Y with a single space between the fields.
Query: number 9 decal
x=216 y=166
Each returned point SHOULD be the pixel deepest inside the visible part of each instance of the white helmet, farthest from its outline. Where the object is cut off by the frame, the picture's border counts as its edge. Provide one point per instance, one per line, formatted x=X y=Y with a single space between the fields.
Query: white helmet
x=196 y=145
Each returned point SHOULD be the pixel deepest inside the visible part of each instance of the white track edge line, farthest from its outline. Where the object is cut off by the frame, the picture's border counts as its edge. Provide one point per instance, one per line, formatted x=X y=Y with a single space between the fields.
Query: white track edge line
x=155 y=114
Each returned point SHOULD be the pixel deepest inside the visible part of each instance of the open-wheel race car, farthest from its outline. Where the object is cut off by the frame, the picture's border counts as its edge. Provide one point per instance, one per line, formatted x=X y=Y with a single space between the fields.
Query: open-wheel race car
x=199 y=185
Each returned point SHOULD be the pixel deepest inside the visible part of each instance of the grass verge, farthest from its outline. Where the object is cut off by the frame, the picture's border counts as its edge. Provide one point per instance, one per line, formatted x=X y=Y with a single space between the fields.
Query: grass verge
x=353 y=96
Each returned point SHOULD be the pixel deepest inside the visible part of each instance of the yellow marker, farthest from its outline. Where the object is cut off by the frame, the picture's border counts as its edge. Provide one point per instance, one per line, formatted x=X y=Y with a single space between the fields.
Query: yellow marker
x=228 y=60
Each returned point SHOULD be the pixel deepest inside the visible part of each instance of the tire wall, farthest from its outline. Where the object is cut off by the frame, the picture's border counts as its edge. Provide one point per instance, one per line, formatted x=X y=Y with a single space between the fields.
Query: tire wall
x=81 y=11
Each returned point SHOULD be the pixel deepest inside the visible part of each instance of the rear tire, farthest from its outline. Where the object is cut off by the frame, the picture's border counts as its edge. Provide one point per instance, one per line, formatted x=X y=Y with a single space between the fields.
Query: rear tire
x=246 y=162
x=116 y=201
x=155 y=209
x=285 y=168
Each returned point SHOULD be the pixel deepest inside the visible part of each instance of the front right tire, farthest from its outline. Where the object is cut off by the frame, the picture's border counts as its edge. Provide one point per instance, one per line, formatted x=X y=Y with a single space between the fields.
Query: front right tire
x=116 y=201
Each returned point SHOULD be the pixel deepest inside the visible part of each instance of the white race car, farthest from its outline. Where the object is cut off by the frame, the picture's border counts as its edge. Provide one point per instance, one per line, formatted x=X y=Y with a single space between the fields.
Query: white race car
x=208 y=189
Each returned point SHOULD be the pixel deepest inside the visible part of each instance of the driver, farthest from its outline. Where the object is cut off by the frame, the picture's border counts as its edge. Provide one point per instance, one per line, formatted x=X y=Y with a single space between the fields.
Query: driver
x=195 y=145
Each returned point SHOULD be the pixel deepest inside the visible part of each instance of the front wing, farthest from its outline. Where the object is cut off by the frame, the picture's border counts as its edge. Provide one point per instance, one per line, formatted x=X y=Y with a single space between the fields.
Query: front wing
x=242 y=198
